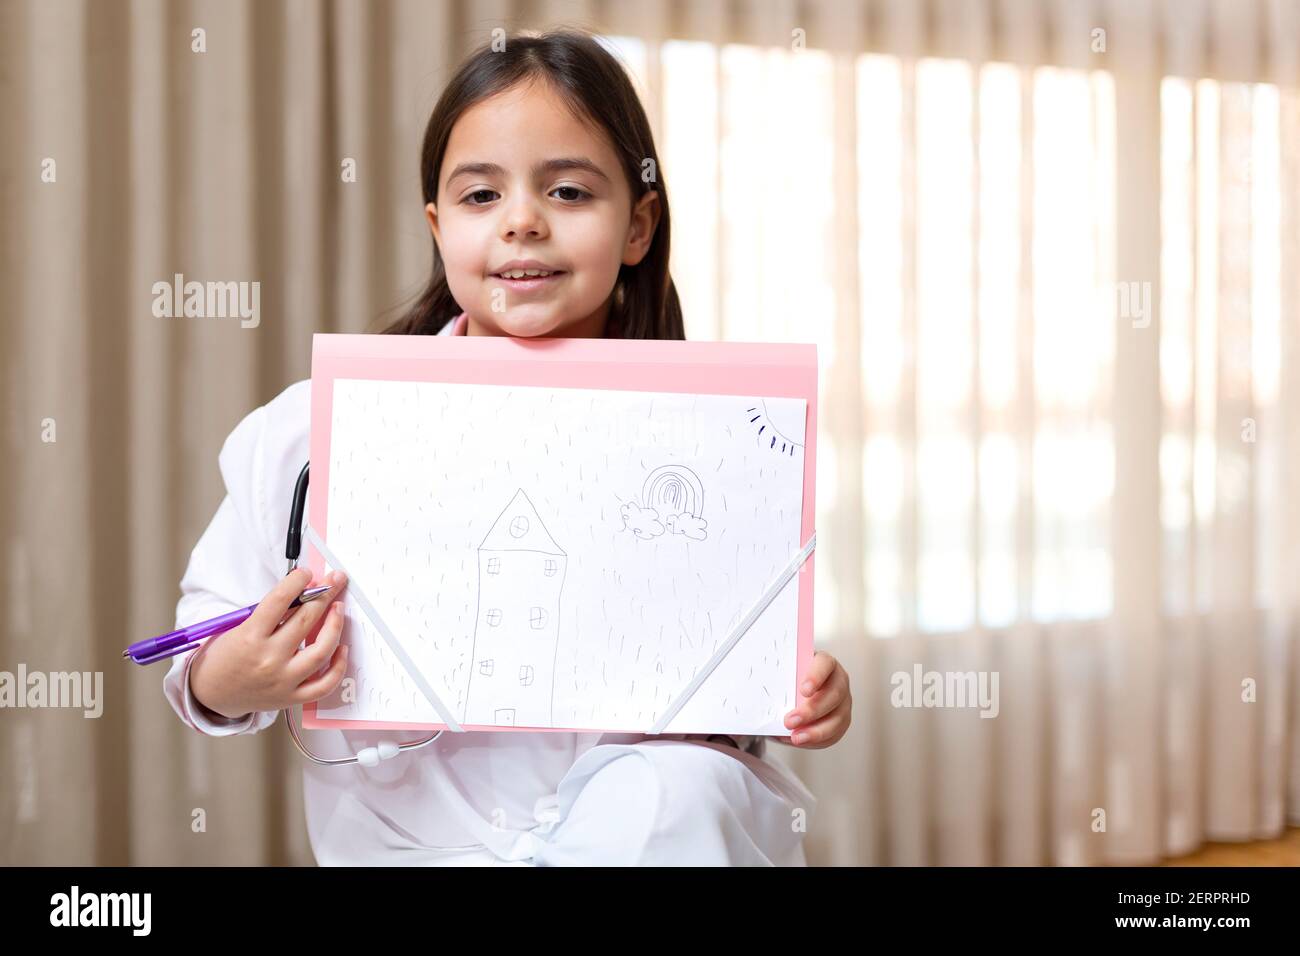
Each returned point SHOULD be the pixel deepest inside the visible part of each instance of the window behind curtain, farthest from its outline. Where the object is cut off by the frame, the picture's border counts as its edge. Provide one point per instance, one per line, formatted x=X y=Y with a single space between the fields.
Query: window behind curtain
x=987 y=298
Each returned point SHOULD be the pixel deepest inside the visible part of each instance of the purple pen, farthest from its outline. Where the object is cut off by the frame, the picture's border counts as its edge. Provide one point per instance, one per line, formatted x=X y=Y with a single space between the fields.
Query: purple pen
x=176 y=642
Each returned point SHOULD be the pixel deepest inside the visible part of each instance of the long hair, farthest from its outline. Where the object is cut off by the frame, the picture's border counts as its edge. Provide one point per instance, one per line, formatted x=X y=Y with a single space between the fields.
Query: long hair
x=593 y=83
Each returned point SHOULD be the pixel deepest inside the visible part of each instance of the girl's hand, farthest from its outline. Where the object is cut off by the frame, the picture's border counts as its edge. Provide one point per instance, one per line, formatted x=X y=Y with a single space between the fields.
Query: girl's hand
x=258 y=665
x=824 y=714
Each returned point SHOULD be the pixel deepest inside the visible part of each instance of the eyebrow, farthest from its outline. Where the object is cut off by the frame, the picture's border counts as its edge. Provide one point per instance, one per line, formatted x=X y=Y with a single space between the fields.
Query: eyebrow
x=545 y=166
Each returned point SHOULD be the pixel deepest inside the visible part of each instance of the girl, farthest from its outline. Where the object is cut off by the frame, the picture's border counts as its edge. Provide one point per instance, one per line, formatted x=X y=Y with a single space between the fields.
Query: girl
x=543 y=225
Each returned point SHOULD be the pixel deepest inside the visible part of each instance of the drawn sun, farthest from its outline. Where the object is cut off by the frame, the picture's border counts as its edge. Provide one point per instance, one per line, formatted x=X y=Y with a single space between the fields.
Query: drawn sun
x=773 y=431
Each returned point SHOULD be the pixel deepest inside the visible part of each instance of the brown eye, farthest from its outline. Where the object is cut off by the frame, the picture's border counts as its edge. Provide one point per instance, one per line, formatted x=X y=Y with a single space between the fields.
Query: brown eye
x=479 y=192
x=579 y=194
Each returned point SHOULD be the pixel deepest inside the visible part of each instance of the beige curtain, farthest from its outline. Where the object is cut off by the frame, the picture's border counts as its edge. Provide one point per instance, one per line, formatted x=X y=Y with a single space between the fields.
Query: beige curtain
x=1124 y=554
x=815 y=217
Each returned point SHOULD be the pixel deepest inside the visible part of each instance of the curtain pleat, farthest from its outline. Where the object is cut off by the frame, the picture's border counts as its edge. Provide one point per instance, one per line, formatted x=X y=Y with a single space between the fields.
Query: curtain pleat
x=51 y=784
x=1025 y=788
x=1133 y=636
x=850 y=800
x=1230 y=807
x=154 y=542
x=1284 y=25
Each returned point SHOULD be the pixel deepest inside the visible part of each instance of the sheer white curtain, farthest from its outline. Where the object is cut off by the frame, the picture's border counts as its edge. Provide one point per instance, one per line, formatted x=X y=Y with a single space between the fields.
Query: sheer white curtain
x=1049 y=253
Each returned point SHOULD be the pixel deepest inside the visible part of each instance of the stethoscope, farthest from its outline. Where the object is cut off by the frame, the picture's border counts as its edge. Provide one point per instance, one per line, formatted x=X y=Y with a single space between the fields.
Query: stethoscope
x=369 y=756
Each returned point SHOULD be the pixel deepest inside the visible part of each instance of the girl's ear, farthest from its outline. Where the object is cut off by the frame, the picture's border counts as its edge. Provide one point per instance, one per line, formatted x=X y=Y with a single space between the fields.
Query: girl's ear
x=431 y=214
x=645 y=219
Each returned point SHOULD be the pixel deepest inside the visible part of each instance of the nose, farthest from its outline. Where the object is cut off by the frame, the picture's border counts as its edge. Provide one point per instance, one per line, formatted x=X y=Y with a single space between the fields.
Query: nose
x=523 y=217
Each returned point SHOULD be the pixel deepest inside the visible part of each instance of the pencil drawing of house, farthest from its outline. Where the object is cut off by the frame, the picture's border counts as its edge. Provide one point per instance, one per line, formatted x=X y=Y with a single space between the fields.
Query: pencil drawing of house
x=520 y=576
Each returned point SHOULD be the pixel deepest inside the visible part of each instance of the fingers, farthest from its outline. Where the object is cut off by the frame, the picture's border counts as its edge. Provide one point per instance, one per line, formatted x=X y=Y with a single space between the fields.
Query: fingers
x=316 y=655
x=822 y=666
x=325 y=684
x=831 y=695
x=823 y=714
x=307 y=616
x=824 y=732
x=272 y=608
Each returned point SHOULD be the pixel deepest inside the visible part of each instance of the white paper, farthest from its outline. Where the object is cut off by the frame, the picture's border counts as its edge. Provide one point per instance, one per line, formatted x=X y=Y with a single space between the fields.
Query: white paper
x=557 y=557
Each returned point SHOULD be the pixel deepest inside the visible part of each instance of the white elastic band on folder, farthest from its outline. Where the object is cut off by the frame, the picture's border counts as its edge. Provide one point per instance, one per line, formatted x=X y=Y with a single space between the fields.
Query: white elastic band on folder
x=359 y=596
x=768 y=596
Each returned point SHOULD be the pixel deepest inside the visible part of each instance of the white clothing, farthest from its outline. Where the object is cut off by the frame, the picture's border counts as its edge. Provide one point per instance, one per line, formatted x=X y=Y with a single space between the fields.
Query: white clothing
x=476 y=798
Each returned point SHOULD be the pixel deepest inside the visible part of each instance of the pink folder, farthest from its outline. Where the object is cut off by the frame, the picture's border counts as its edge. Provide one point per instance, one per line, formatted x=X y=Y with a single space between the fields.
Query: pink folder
x=716 y=368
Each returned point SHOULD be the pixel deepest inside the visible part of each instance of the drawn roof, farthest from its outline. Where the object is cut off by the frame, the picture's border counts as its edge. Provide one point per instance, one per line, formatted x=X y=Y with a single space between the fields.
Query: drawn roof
x=534 y=537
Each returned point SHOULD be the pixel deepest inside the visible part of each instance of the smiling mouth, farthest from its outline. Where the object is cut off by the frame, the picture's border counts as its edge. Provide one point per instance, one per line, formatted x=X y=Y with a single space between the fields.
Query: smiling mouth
x=525 y=280
x=517 y=274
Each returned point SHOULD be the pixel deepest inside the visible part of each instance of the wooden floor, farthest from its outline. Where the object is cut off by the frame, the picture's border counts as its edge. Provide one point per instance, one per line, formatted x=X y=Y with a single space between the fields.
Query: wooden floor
x=1284 y=851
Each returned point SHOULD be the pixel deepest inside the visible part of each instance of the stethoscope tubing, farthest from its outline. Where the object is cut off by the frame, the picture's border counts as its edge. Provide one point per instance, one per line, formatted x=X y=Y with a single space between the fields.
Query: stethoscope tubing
x=369 y=756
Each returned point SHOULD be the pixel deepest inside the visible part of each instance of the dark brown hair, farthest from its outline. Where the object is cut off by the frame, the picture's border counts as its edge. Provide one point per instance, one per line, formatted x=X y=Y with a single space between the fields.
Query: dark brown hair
x=596 y=87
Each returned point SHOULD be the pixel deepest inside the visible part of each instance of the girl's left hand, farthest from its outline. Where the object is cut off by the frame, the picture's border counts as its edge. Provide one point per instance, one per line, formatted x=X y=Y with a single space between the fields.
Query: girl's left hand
x=823 y=715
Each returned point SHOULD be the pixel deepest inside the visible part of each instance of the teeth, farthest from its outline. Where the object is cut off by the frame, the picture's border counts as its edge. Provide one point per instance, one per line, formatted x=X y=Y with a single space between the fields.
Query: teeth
x=522 y=273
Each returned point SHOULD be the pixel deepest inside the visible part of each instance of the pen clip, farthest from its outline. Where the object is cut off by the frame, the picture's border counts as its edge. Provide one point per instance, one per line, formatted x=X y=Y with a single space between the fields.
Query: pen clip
x=164 y=654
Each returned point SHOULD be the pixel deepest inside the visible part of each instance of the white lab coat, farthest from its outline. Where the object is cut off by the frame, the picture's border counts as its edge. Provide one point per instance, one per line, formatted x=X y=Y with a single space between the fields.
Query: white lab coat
x=476 y=798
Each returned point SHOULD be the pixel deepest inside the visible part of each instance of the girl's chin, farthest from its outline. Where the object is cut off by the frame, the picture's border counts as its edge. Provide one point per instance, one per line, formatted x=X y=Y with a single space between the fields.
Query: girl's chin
x=527 y=322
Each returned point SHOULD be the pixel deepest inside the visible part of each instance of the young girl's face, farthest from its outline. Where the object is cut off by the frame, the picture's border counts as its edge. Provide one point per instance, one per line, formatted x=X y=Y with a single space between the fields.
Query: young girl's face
x=524 y=181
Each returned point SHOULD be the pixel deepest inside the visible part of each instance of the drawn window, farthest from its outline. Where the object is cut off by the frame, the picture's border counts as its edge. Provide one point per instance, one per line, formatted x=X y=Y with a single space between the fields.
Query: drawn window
x=519 y=526
x=537 y=618
x=505 y=715
x=494 y=616
x=525 y=674
x=550 y=567
x=494 y=566
x=485 y=667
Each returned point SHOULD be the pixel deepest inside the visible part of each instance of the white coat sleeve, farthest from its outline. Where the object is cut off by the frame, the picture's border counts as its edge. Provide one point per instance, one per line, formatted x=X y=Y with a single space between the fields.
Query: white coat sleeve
x=228 y=569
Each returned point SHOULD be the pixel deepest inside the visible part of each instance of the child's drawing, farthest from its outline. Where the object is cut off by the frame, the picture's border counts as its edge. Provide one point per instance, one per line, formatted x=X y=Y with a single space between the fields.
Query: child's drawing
x=774 y=426
x=672 y=501
x=543 y=554
x=520 y=574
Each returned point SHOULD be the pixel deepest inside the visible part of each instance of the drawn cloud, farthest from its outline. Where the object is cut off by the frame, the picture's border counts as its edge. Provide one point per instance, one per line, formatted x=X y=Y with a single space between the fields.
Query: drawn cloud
x=672 y=501
x=642 y=522
x=686 y=524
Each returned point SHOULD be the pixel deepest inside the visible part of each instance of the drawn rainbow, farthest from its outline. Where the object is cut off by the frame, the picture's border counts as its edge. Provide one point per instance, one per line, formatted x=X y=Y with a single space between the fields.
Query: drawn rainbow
x=673 y=490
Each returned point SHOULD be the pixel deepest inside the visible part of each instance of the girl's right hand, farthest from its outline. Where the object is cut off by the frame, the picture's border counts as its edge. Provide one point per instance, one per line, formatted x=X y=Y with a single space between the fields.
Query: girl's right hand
x=259 y=666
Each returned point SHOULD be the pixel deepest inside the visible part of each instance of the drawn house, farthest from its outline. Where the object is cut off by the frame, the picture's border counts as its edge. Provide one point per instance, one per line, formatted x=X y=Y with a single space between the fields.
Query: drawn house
x=520 y=576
